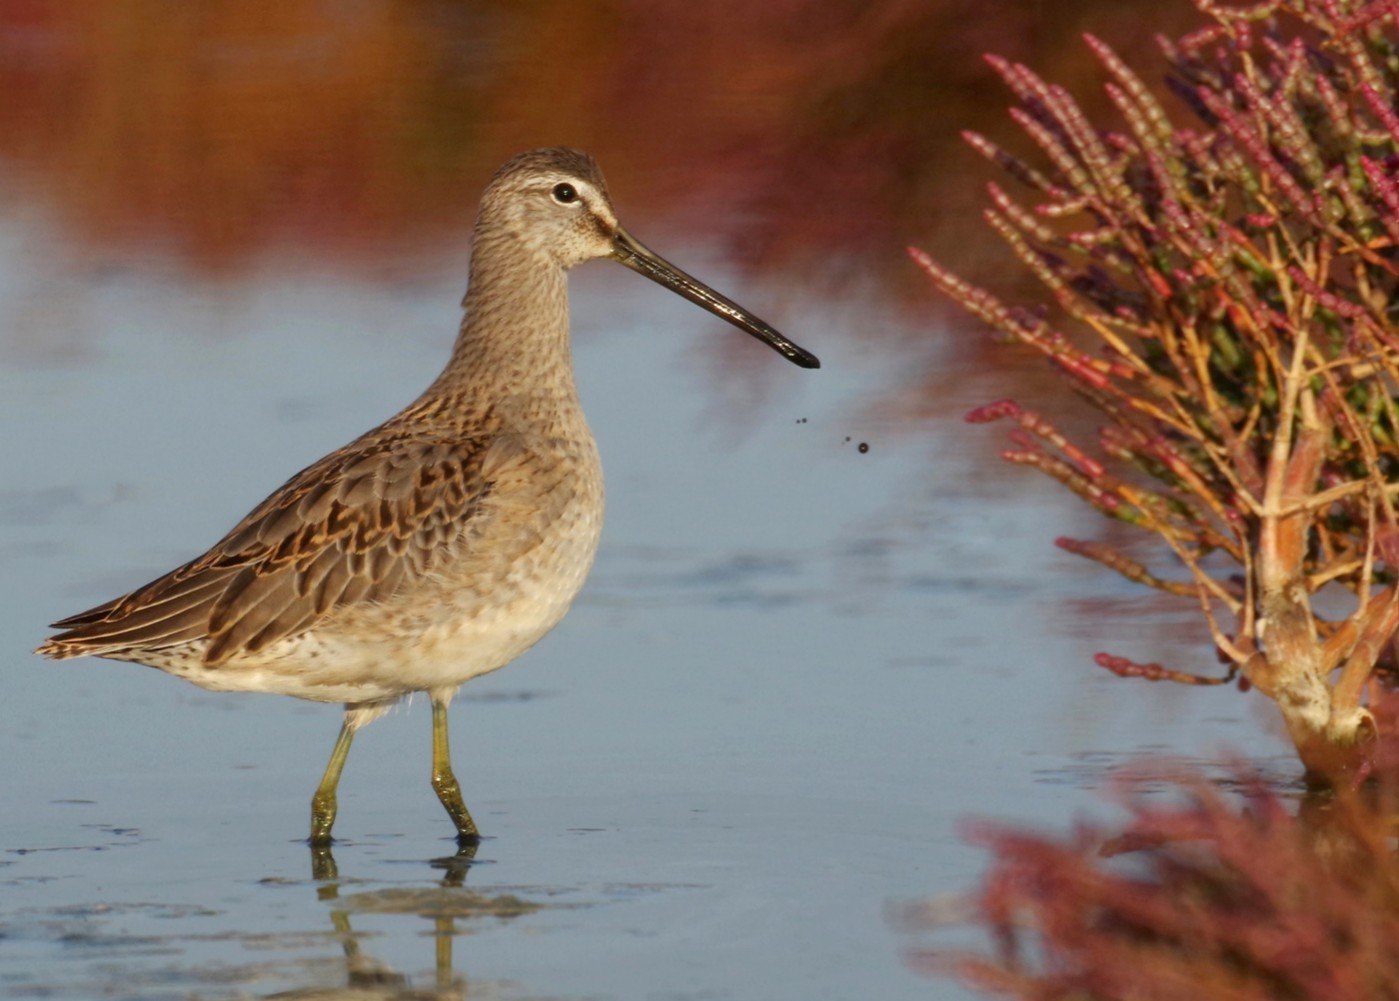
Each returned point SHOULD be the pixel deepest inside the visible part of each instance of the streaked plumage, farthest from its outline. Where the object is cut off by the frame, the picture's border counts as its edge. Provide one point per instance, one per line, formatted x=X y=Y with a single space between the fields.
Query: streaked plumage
x=441 y=544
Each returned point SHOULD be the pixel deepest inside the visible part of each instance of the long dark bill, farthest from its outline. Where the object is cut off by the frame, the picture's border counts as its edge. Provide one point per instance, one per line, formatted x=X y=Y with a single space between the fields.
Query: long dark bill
x=635 y=256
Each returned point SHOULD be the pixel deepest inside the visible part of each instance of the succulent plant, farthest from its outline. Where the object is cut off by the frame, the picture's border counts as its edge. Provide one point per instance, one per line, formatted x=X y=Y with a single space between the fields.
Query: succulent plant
x=1223 y=291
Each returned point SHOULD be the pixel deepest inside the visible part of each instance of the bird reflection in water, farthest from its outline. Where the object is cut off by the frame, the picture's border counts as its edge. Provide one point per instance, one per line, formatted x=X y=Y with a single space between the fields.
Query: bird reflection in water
x=444 y=904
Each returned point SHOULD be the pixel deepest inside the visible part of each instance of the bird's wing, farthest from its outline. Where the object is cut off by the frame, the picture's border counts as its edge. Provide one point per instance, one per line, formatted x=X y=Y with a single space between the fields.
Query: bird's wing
x=353 y=527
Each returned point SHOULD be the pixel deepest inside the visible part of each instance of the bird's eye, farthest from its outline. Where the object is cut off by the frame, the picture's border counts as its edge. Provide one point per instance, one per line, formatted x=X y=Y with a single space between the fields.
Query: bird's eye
x=565 y=193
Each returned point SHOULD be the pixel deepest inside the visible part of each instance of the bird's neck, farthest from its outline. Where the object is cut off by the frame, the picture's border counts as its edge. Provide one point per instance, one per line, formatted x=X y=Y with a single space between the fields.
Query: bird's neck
x=514 y=341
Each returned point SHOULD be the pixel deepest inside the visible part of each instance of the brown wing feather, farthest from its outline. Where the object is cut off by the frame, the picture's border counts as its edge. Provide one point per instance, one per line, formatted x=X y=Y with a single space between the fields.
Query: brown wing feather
x=353 y=527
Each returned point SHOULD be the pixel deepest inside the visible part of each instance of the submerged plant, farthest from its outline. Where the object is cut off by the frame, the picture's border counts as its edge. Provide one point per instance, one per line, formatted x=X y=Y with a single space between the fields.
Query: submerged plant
x=1225 y=296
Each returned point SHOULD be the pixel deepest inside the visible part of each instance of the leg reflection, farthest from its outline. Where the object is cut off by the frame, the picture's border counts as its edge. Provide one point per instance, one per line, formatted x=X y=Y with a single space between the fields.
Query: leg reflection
x=444 y=901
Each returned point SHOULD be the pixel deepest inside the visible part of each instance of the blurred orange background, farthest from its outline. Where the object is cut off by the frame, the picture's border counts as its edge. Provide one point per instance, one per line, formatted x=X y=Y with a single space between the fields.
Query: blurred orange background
x=813 y=137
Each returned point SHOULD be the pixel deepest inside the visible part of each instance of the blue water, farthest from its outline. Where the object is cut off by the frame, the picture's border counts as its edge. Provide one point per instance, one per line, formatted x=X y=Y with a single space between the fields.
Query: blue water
x=796 y=668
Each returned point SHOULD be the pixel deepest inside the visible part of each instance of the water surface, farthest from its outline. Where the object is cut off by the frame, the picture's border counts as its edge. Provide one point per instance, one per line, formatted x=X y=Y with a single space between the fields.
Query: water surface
x=799 y=663
x=796 y=665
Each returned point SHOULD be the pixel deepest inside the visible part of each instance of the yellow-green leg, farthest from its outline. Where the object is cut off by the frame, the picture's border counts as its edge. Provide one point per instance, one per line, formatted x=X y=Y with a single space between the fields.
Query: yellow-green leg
x=444 y=782
x=323 y=803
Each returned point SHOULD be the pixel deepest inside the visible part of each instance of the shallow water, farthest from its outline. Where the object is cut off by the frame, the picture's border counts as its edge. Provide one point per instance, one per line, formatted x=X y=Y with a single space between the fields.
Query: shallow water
x=796 y=667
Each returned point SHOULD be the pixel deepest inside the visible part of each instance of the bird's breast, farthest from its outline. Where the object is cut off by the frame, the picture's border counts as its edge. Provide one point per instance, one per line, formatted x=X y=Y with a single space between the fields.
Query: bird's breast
x=515 y=568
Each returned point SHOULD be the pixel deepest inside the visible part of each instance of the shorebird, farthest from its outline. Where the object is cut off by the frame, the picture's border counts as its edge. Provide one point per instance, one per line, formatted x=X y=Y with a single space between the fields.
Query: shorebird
x=443 y=543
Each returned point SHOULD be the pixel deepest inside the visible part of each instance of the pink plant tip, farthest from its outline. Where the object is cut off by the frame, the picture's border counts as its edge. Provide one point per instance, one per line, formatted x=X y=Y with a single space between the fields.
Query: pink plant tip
x=1080 y=370
x=1124 y=668
x=1092 y=468
x=993 y=411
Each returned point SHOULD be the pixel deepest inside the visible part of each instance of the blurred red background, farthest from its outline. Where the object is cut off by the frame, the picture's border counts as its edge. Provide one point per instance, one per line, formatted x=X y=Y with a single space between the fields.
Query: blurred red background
x=813 y=137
